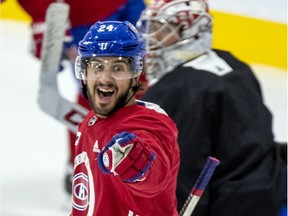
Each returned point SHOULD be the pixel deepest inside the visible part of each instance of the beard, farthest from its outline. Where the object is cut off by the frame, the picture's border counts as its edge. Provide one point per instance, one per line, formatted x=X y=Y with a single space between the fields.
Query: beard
x=102 y=111
x=121 y=101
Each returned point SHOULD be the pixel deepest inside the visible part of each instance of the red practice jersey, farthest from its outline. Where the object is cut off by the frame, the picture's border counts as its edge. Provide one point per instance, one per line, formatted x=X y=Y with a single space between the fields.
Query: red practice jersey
x=87 y=12
x=97 y=194
x=81 y=12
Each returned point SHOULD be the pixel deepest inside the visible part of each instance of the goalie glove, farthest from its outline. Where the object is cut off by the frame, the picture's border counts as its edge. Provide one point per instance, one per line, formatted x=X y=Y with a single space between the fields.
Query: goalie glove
x=126 y=156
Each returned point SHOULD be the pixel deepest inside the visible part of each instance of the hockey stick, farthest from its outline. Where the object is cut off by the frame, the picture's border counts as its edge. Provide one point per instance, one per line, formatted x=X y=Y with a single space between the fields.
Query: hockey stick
x=49 y=98
x=199 y=186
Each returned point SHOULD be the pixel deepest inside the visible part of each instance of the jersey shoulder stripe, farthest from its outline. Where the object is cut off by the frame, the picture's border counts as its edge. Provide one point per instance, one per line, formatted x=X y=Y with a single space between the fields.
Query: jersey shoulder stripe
x=151 y=106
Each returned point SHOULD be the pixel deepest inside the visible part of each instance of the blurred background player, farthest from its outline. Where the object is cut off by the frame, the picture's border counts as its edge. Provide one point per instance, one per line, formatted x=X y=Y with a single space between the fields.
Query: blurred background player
x=126 y=155
x=82 y=15
x=217 y=104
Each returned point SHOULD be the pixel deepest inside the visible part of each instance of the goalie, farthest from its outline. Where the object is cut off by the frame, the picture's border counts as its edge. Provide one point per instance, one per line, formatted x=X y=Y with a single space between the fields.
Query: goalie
x=216 y=102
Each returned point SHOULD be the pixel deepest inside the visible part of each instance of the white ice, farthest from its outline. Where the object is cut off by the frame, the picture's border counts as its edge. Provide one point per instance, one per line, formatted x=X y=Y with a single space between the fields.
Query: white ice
x=34 y=146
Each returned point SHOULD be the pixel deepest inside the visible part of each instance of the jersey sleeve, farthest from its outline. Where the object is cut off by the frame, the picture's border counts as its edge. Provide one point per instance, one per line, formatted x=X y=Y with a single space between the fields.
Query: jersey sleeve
x=160 y=133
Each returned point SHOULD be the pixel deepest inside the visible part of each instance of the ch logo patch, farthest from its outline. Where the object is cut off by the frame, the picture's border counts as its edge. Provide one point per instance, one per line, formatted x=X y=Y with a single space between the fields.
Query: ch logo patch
x=92 y=121
x=106 y=160
x=80 y=191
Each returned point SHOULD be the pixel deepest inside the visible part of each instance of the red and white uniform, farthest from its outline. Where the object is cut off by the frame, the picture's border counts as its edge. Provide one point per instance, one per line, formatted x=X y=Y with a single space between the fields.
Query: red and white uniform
x=81 y=13
x=97 y=194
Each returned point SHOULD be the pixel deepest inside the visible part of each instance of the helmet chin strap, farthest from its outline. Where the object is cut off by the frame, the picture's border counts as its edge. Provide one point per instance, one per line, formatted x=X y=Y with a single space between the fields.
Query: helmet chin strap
x=84 y=90
x=134 y=89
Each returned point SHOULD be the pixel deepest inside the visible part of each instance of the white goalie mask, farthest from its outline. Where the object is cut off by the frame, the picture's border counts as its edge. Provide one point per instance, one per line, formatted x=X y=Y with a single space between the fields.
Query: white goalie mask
x=175 y=31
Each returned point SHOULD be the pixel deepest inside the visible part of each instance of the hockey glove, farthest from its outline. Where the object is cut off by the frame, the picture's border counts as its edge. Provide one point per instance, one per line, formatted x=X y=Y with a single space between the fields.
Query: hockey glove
x=126 y=157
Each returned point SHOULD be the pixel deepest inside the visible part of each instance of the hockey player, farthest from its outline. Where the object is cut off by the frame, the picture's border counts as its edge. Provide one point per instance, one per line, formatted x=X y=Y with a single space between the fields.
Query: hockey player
x=217 y=105
x=82 y=15
x=126 y=153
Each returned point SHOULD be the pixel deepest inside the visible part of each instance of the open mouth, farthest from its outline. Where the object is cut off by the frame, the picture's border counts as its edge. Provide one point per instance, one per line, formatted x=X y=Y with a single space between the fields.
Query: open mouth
x=105 y=94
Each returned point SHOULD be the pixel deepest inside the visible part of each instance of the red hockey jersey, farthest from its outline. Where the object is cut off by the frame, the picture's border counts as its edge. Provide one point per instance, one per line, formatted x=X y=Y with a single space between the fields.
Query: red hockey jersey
x=99 y=194
x=81 y=12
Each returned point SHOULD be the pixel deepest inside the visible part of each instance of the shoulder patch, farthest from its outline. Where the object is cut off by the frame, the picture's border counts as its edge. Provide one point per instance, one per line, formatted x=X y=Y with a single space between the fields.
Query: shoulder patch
x=210 y=62
x=92 y=121
x=151 y=106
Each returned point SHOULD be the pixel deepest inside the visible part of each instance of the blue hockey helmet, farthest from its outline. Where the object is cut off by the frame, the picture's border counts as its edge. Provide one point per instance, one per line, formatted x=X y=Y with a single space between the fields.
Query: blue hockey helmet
x=111 y=39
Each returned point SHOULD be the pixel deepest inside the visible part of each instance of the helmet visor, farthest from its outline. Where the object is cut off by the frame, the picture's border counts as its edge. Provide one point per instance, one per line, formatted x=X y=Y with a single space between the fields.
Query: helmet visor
x=120 y=68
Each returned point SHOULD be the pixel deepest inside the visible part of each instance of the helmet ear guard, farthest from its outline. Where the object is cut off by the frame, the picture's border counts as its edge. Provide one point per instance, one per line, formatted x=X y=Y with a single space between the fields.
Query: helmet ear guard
x=84 y=89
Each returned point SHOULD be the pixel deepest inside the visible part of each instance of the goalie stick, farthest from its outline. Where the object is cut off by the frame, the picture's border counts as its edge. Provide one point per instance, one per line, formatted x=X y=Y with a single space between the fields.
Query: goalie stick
x=49 y=98
x=199 y=186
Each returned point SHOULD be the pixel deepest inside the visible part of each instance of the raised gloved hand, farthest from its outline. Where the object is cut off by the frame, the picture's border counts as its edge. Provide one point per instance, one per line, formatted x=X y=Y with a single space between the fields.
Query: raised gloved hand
x=126 y=156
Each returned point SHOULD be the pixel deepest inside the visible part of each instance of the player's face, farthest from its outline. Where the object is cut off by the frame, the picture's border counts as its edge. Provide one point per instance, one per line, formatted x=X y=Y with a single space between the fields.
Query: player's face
x=105 y=91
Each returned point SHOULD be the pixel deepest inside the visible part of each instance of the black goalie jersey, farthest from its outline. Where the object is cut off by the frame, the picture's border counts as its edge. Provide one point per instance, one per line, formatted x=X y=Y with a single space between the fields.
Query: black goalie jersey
x=216 y=103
